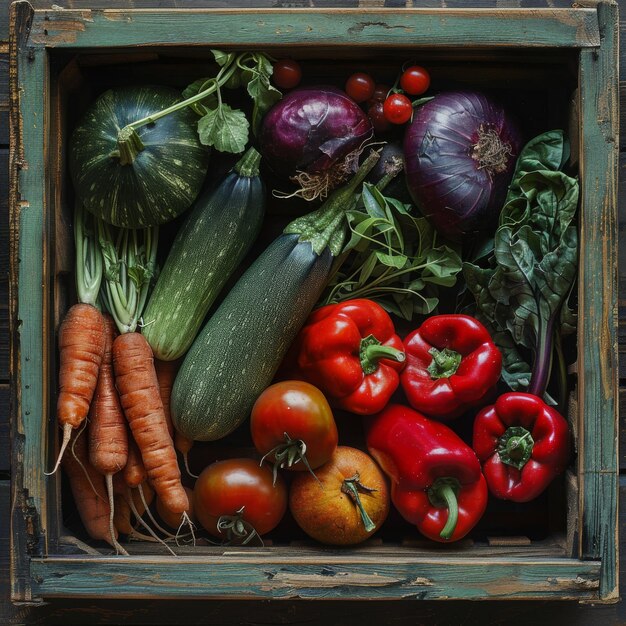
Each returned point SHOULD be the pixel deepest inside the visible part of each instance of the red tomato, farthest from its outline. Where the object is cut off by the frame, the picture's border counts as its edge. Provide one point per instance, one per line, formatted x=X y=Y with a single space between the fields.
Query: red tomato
x=286 y=416
x=397 y=108
x=360 y=87
x=287 y=74
x=239 y=488
x=380 y=93
x=415 y=80
x=376 y=113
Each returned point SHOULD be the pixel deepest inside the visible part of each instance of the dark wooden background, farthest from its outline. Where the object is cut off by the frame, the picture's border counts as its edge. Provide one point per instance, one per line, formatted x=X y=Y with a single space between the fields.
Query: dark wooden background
x=286 y=612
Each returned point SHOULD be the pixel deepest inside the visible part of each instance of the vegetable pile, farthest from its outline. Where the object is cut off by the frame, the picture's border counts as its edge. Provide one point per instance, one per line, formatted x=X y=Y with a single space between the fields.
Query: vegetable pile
x=415 y=294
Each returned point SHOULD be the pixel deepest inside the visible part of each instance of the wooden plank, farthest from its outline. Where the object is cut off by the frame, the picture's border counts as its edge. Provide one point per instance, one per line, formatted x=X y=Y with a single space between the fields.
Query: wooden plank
x=4 y=99
x=299 y=577
x=597 y=335
x=621 y=202
x=5 y=439
x=4 y=265
x=409 y=28
x=79 y=611
x=28 y=96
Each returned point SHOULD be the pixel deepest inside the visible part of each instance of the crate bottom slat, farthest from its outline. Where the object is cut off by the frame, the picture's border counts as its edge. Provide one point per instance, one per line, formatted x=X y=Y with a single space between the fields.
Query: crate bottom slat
x=300 y=575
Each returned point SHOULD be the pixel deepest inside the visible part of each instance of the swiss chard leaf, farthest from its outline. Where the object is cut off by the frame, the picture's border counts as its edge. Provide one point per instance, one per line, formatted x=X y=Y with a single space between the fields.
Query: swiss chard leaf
x=521 y=295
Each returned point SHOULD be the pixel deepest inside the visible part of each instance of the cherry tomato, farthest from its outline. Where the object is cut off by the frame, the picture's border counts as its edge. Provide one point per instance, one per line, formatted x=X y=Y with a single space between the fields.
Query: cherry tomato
x=331 y=514
x=376 y=113
x=397 y=108
x=415 y=80
x=292 y=419
x=380 y=93
x=287 y=74
x=239 y=490
x=360 y=87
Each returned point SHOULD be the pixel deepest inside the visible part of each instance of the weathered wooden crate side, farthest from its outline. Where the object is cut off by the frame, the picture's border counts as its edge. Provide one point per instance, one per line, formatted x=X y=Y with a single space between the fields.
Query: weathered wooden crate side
x=37 y=572
x=598 y=299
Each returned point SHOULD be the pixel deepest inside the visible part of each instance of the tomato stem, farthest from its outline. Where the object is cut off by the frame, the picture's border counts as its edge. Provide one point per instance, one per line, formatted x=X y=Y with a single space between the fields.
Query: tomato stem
x=237 y=529
x=351 y=487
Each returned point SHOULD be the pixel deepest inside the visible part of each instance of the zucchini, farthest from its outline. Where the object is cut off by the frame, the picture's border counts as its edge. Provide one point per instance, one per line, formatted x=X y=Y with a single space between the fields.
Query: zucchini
x=210 y=244
x=237 y=353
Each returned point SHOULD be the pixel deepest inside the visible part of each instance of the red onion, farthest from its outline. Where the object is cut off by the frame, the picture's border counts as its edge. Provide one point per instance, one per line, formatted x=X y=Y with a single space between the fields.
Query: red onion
x=313 y=130
x=460 y=152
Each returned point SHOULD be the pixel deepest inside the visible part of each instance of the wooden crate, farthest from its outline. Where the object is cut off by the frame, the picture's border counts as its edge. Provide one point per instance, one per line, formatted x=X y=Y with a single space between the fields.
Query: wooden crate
x=565 y=57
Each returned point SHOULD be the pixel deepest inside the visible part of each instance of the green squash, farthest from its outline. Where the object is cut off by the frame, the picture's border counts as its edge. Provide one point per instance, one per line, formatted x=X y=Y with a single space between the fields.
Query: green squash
x=137 y=178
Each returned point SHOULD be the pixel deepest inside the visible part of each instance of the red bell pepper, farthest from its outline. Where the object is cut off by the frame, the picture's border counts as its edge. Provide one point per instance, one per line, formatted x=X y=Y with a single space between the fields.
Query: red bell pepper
x=452 y=365
x=522 y=443
x=436 y=482
x=351 y=352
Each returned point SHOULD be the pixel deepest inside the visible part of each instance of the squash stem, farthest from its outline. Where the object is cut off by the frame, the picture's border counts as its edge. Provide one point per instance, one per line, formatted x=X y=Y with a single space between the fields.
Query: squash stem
x=215 y=84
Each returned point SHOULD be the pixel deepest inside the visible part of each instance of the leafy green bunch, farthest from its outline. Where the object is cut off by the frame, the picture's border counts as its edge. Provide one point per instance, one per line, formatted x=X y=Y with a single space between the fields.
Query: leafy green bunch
x=221 y=126
x=393 y=257
x=522 y=295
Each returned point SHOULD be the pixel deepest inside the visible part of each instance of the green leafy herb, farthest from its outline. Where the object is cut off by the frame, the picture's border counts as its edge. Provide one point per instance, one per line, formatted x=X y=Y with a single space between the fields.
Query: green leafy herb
x=393 y=257
x=522 y=295
x=224 y=128
x=220 y=126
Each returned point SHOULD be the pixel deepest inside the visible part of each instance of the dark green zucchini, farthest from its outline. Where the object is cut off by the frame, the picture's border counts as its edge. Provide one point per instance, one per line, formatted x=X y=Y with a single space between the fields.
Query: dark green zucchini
x=210 y=244
x=137 y=177
x=238 y=351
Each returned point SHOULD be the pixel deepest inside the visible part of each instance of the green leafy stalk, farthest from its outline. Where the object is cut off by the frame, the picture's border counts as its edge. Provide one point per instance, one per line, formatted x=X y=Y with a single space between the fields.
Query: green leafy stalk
x=129 y=268
x=325 y=227
x=522 y=295
x=220 y=126
x=393 y=257
x=88 y=257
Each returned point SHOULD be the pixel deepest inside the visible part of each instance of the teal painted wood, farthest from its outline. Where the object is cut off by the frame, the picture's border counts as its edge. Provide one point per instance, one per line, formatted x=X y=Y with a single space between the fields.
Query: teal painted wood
x=325 y=576
x=432 y=28
x=28 y=162
x=597 y=336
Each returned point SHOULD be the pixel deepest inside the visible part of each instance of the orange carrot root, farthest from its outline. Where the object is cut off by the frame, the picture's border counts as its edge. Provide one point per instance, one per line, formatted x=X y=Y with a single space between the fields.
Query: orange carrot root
x=134 y=472
x=138 y=386
x=89 y=489
x=108 y=438
x=81 y=347
x=166 y=374
x=183 y=444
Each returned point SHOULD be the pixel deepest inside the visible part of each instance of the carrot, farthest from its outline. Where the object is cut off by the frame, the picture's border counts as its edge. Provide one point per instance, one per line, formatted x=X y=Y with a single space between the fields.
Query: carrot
x=134 y=472
x=183 y=444
x=122 y=508
x=88 y=489
x=81 y=347
x=174 y=520
x=138 y=386
x=166 y=373
x=108 y=440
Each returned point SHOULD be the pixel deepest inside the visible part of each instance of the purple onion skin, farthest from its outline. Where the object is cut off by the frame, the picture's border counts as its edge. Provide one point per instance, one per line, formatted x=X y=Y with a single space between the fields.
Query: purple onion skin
x=445 y=181
x=310 y=129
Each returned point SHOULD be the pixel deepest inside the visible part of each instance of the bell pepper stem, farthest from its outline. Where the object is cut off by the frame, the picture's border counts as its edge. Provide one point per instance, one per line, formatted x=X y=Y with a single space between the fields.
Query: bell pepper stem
x=448 y=494
x=371 y=351
x=515 y=446
x=445 y=363
x=443 y=493
x=350 y=487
